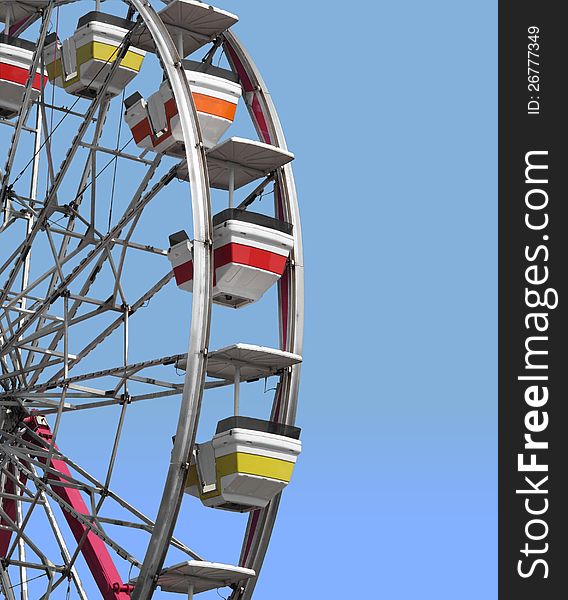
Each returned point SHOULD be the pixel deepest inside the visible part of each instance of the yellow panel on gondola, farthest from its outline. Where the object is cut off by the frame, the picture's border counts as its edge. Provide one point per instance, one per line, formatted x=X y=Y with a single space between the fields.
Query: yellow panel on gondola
x=245 y=465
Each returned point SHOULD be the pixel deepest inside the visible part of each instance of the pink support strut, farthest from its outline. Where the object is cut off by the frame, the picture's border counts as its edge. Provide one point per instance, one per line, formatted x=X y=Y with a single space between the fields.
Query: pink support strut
x=94 y=550
x=9 y=507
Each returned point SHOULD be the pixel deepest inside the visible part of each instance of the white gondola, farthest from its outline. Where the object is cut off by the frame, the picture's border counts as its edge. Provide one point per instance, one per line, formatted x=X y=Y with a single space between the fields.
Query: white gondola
x=245 y=465
x=81 y=63
x=155 y=123
x=251 y=250
x=248 y=461
x=16 y=58
x=196 y=576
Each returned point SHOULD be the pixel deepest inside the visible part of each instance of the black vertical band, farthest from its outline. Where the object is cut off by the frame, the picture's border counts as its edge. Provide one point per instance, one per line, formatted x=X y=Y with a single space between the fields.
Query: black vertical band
x=533 y=269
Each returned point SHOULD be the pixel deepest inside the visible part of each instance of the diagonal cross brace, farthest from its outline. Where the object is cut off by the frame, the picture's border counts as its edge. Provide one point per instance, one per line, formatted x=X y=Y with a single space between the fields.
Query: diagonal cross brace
x=94 y=550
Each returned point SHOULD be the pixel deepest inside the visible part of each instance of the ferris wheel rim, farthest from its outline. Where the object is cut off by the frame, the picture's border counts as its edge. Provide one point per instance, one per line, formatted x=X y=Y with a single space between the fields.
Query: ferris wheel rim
x=172 y=494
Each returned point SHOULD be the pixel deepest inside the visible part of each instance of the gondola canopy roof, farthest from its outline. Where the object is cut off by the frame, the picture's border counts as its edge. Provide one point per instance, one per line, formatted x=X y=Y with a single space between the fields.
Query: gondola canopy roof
x=21 y=9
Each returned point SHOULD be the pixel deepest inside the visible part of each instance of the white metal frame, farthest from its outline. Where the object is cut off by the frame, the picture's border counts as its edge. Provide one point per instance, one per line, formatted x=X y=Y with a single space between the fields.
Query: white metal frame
x=28 y=310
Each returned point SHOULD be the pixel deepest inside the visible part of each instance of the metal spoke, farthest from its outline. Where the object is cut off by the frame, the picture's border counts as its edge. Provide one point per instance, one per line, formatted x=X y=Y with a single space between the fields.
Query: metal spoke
x=25 y=105
x=48 y=204
x=63 y=548
x=21 y=534
x=97 y=268
x=113 y=326
x=22 y=554
x=103 y=110
x=6 y=584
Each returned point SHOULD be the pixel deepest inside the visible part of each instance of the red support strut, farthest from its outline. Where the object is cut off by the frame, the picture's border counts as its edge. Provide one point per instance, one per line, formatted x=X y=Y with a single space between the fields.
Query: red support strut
x=94 y=550
x=9 y=507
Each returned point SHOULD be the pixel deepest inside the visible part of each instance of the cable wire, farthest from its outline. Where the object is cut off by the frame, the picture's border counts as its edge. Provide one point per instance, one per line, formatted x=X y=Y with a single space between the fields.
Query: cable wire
x=115 y=166
x=27 y=581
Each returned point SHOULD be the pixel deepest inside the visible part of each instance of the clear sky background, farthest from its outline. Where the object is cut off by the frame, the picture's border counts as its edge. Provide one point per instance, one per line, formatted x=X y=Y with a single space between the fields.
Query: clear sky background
x=391 y=111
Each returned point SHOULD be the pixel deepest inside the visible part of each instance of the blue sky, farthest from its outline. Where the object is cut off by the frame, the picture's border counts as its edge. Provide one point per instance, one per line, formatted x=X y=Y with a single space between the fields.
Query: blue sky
x=391 y=111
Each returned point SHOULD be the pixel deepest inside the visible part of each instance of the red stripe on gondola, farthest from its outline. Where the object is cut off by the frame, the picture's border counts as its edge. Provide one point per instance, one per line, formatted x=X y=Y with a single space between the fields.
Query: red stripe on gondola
x=184 y=273
x=18 y=75
x=251 y=257
x=203 y=103
x=238 y=254
x=143 y=129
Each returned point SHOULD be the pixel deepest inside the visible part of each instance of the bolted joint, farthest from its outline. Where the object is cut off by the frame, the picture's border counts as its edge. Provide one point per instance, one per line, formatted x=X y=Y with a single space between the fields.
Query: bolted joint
x=125 y=399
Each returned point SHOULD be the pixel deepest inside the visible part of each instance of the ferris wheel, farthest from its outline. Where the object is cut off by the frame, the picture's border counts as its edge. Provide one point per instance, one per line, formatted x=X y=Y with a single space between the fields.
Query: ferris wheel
x=136 y=229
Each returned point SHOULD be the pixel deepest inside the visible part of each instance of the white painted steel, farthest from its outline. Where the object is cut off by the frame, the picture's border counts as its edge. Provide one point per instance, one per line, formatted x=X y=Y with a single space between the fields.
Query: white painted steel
x=197 y=22
x=18 y=9
x=247 y=160
x=253 y=361
x=201 y=304
x=202 y=575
